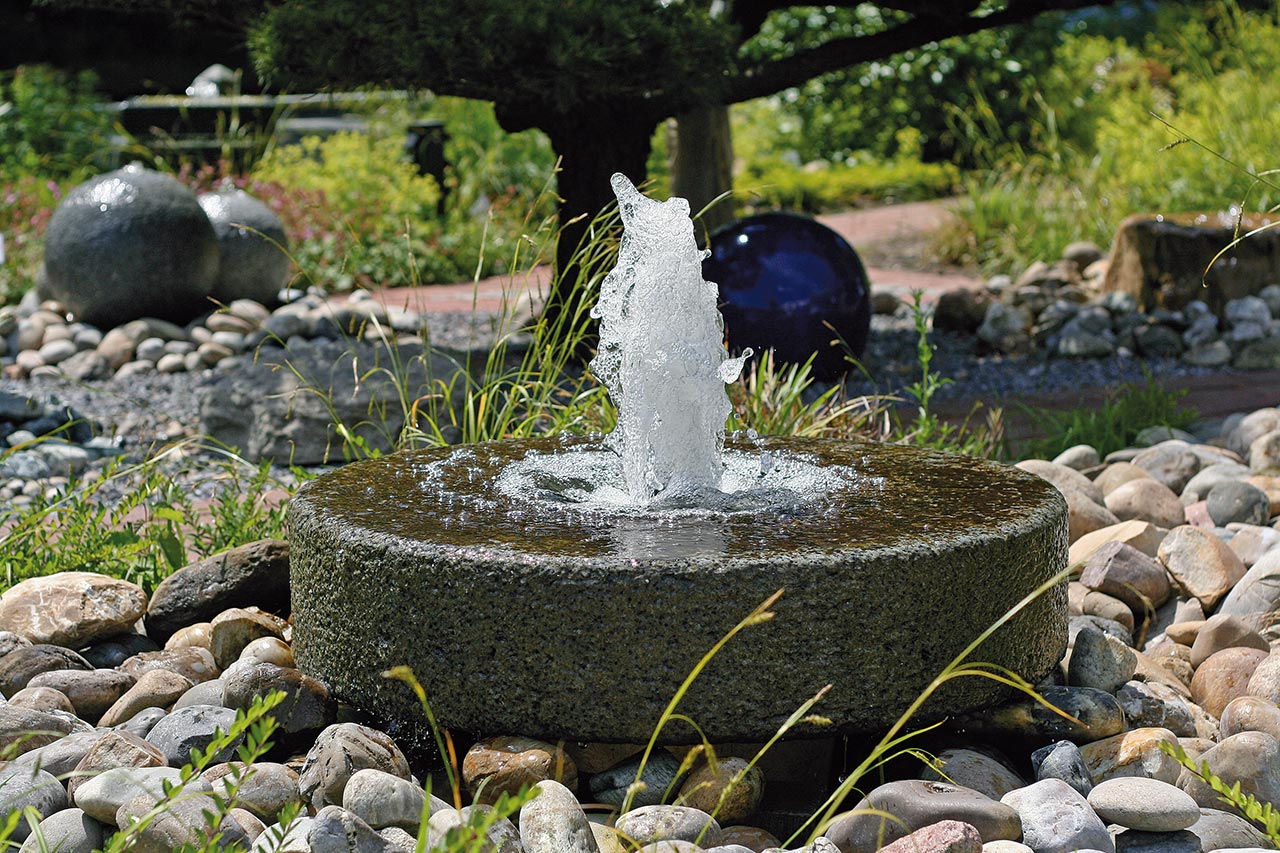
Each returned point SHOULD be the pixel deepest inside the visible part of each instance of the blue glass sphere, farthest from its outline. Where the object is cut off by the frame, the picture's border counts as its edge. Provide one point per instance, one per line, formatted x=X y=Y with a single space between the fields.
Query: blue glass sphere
x=791 y=284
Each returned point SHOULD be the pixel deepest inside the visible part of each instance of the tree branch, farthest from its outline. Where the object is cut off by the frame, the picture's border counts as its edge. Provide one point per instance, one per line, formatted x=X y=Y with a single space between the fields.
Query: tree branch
x=770 y=77
x=750 y=15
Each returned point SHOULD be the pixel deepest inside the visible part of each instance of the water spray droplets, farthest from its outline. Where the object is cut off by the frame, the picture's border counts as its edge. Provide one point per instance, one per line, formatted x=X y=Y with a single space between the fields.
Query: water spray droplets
x=731 y=368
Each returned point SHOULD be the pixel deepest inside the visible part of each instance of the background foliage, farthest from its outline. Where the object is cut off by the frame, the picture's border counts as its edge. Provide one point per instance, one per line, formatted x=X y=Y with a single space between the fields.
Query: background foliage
x=1046 y=131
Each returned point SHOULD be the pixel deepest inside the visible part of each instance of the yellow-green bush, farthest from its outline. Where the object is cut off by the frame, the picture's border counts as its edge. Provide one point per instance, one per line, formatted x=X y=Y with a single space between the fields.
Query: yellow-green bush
x=775 y=184
x=363 y=175
x=1210 y=78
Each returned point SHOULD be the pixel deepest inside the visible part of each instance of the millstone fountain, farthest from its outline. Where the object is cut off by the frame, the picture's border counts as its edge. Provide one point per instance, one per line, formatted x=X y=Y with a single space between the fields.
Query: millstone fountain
x=563 y=588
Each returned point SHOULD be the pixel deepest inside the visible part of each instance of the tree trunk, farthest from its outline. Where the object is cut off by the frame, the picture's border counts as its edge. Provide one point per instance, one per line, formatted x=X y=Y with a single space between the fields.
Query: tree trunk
x=701 y=154
x=592 y=145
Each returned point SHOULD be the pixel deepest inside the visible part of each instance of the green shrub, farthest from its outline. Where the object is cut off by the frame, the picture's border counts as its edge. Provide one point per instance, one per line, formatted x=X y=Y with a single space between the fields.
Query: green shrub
x=859 y=110
x=1115 y=424
x=1208 y=74
x=776 y=184
x=50 y=126
x=26 y=205
x=380 y=210
x=154 y=528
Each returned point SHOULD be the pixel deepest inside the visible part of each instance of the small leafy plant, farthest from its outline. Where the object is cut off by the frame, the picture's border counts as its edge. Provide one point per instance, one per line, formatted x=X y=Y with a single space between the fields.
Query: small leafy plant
x=1114 y=425
x=249 y=735
x=139 y=521
x=1264 y=815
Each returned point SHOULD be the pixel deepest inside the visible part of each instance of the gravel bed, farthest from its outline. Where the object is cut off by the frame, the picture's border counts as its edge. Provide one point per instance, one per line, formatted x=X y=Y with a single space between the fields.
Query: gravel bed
x=892 y=363
x=144 y=411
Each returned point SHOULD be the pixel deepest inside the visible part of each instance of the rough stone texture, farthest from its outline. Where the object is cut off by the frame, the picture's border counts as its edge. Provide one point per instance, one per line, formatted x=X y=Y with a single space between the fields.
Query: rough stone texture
x=269 y=411
x=252 y=247
x=256 y=574
x=1200 y=561
x=363 y=576
x=129 y=244
x=1161 y=260
x=71 y=608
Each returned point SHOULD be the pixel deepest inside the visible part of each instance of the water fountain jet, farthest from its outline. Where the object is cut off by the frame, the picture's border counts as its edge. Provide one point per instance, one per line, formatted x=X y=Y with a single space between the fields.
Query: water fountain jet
x=562 y=588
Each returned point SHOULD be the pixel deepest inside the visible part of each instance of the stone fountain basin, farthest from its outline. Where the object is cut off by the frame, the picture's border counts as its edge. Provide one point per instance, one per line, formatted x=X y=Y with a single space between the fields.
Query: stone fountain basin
x=535 y=622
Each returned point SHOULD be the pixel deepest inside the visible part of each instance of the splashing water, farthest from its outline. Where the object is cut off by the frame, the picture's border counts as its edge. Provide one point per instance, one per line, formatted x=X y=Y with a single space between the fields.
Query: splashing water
x=662 y=353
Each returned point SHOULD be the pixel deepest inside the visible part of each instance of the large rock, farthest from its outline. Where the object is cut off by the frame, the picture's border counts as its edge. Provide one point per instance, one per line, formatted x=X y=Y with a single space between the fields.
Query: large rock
x=366 y=577
x=285 y=411
x=252 y=575
x=1201 y=562
x=128 y=244
x=1161 y=260
x=252 y=247
x=915 y=804
x=71 y=609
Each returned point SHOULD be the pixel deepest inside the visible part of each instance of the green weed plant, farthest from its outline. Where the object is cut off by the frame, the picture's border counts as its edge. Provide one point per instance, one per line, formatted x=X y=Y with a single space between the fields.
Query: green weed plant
x=150 y=529
x=1264 y=815
x=1204 y=73
x=1115 y=424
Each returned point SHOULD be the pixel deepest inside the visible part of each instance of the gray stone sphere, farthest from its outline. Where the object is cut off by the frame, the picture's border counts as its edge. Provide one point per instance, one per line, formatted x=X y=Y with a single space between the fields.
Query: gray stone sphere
x=252 y=246
x=129 y=244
